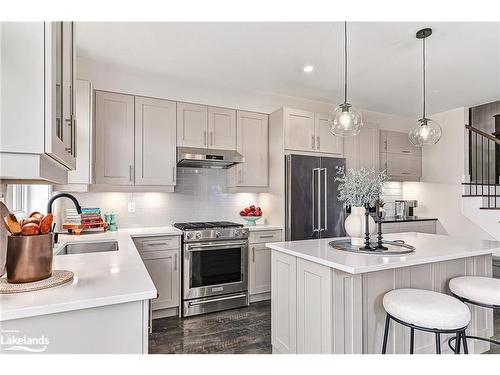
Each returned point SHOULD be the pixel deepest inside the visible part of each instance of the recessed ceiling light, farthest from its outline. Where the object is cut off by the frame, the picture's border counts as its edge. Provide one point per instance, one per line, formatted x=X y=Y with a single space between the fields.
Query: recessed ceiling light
x=308 y=68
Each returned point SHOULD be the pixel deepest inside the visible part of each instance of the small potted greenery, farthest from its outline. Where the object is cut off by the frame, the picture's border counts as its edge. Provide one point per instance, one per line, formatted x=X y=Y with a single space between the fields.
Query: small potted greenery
x=359 y=189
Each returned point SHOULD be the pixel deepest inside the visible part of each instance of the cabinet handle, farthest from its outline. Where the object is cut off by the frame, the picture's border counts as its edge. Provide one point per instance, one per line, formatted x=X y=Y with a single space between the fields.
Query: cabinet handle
x=130 y=171
x=205 y=137
x=268 y=236
x=406 y=151
x=156 y=244
x=405 y=173
x=317 y=142
x=385 y=144
x=312 y=142
x=69 y=149
x=175 y=262
x=385 y=165
x=253 y=254
x=74 y=131
x=239 y=176
x=211 y=138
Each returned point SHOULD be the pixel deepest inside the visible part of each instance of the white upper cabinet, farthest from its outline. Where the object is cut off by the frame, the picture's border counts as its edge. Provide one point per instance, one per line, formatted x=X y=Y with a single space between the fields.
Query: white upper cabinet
x=399 y=157
x=253 y=144
x=398 y=143
x=155 y=141
x=362 y=150
x=325 y=141
x=192 y=125
x=60 y=122
x=299 y=130
x=84 y=157
x=310 y=132
x=221 y=128
x=114 y=138
x=206 y=127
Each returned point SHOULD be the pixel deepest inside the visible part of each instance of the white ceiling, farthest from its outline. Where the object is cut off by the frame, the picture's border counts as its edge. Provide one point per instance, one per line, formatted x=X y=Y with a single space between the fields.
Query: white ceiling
x=463 y=59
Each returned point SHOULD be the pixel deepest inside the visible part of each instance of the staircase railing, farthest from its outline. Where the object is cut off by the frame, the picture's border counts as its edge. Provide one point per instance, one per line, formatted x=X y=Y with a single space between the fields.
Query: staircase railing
x=484 y=150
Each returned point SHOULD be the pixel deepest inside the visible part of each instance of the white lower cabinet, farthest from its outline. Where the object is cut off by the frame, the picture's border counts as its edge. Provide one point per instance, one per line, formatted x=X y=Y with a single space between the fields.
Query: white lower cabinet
x=259 y=263
x=161 y=256
x=314 y=308
x=283 y=303
x=428 y=226
x=259 y=269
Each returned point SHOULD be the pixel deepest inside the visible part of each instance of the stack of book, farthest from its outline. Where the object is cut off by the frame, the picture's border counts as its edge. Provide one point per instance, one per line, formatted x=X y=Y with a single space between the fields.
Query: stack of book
x=72 y=217
x=91 y=216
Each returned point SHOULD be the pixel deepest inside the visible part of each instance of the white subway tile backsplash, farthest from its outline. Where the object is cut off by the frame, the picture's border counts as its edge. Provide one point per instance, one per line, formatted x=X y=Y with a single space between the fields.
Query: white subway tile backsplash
x=200 y=194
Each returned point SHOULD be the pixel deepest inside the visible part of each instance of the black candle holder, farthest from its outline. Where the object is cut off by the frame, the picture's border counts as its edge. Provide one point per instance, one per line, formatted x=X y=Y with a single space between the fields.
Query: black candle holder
x=380 y=245
x=367 y=229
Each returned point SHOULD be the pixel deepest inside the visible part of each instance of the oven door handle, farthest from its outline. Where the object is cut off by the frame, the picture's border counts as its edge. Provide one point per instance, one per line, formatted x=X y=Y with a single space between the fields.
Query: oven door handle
x=216 y=246
x=193 y=303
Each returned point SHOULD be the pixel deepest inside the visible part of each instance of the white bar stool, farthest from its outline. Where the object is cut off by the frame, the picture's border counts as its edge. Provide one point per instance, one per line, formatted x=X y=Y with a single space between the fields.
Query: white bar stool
x=479 y=291
x=427 y=311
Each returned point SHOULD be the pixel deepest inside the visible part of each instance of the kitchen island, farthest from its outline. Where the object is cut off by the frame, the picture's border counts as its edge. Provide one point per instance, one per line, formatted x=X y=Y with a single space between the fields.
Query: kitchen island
x=105 y=309
x=325 y=300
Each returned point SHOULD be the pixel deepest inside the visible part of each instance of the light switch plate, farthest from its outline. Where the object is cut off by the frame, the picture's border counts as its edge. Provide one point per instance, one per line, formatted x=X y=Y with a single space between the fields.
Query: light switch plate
x=131 y=207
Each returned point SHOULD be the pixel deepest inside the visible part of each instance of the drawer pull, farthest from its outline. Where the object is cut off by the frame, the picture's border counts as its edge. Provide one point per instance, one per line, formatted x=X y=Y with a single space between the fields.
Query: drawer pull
x=156 y=244
x=268 y=236
x=406 y=151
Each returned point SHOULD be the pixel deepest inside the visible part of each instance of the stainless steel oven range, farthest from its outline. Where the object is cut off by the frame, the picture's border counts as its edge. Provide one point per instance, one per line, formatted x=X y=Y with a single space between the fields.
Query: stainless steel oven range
x=214 y=266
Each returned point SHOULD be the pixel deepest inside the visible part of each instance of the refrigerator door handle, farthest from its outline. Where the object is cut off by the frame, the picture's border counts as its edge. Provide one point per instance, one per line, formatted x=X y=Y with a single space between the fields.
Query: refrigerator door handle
x=319 y=200
x=325 y=202
x=315 y=194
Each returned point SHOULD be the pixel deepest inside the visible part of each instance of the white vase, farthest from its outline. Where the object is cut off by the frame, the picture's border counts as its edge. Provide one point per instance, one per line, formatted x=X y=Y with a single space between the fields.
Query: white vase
x=355 y=225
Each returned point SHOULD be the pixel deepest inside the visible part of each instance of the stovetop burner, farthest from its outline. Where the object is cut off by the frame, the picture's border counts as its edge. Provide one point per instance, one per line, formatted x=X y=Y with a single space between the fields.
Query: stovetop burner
x=207 y=225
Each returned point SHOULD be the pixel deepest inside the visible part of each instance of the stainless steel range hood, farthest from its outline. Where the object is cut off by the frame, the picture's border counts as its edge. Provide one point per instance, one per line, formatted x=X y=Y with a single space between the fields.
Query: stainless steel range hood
x=193 y=157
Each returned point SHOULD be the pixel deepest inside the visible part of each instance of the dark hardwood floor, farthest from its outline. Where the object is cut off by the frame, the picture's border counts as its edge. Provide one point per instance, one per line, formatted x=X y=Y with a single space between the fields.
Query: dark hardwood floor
x=240 y=331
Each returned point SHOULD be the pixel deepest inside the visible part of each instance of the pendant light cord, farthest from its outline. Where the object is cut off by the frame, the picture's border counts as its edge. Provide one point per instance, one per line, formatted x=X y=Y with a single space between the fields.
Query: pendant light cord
x=423 y=75
x=345 y=62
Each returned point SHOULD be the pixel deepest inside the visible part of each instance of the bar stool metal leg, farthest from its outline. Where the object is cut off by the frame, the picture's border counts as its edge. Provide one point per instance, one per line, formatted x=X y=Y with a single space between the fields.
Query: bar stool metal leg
x=438 y=343
x=386 y=333
x=458 y=339
x=412 y=339
x=464 y=339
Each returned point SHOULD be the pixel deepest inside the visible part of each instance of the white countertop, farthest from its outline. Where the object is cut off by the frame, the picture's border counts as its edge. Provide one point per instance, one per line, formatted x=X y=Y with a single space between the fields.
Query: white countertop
x=430 y=248
x=101 y=279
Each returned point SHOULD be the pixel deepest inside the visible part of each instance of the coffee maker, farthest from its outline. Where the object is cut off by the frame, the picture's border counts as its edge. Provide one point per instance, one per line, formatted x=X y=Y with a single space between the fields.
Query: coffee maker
x=404 y=208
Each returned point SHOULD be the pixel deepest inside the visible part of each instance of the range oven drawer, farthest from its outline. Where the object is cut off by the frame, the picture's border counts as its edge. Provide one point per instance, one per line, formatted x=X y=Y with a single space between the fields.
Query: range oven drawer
x=211 y=304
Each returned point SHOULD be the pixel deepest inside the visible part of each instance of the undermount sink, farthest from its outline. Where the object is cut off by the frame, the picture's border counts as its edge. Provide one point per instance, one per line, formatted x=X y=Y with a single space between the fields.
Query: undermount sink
x=88 y=247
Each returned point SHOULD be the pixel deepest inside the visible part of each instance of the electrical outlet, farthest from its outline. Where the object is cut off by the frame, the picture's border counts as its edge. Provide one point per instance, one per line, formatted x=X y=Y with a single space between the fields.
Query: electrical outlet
x=131 y=207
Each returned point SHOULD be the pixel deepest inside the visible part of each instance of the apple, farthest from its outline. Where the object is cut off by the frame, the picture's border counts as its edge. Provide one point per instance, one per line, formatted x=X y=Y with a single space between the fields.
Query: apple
x=252 y=207
x=243 y=213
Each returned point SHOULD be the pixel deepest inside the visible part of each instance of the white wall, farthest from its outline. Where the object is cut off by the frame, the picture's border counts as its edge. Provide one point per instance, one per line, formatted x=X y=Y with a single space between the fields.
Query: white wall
x=117 y=78
x=440 y=191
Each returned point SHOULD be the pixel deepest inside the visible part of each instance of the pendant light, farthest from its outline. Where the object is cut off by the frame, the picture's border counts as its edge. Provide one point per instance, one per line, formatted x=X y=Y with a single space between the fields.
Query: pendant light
x=346 y=120
x=426 y=131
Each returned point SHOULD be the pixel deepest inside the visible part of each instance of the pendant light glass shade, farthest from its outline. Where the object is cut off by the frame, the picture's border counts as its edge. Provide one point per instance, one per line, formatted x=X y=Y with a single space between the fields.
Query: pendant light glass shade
x=427 y=132
x=346 y=120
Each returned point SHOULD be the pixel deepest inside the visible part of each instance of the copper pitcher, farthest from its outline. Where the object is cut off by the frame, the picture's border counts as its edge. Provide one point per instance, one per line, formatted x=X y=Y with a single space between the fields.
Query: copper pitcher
x=29 y=258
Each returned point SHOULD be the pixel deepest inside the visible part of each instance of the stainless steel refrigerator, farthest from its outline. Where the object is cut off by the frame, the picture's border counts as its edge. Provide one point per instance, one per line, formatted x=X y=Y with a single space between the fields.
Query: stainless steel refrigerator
x=312 y=207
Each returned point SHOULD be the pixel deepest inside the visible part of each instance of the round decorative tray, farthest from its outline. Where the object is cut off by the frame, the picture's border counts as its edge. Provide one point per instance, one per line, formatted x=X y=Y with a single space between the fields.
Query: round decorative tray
x=58 y=278
x=393 y=247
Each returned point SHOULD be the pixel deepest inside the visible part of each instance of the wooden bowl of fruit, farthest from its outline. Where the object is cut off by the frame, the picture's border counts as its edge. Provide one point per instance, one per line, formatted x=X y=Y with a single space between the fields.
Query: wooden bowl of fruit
x=251 y=215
